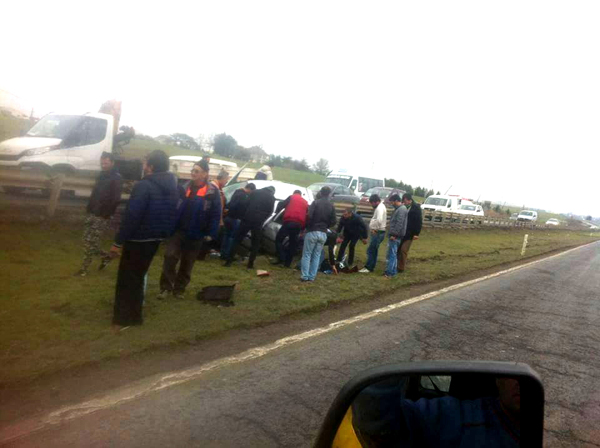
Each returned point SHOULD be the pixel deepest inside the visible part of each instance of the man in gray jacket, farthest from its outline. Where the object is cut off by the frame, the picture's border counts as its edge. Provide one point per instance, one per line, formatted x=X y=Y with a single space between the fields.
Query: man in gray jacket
x=396 y=233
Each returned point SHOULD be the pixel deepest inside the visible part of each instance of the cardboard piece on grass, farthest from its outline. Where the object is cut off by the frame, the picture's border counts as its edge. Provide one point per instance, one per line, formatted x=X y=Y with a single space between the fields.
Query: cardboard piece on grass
x=261 y=273
x=218 y=295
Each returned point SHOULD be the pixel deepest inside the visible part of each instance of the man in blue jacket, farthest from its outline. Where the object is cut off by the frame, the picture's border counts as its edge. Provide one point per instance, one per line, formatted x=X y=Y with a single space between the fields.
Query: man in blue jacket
x=149 y=219
x=198 y=221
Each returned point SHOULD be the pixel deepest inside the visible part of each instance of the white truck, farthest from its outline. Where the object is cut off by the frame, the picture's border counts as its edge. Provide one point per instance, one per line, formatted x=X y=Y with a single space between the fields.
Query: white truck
x=358 y=181
x=63 y=143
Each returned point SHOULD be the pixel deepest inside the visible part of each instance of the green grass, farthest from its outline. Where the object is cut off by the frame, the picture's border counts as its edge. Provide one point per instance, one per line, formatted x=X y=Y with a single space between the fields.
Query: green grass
x=50 y=320
x=12 y=126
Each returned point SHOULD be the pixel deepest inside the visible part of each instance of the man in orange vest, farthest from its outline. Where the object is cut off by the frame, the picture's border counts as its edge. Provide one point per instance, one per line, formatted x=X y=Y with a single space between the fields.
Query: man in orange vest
x=294 y=222
x=198 y=220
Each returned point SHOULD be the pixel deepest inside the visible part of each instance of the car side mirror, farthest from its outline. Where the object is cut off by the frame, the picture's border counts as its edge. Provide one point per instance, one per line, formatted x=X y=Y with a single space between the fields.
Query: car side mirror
x=437 y=404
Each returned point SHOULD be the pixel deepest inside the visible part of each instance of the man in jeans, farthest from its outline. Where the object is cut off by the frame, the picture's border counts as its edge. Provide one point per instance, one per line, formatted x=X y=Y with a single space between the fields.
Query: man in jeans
x=413 y=229
x=198 y=220
x=396 y=233
x=294 y=221
x=321 y=216
x=101 y=207
x=150 y=216
x=377 y=228
x=354 y=229
x=234 y=214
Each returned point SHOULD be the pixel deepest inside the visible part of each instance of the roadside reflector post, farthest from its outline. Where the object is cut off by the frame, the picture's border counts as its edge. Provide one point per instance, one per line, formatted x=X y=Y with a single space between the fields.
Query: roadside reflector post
x=524 y=244
x=56 y=186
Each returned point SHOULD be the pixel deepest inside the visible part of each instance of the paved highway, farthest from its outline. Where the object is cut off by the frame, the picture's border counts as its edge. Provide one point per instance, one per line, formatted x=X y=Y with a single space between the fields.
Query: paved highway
x=547 y=315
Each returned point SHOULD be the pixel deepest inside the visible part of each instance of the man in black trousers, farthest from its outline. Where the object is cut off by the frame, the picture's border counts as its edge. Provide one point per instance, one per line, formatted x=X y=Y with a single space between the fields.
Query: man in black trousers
x=413 y=229
x=354 y=228
x=261 y=205
x=149 y=219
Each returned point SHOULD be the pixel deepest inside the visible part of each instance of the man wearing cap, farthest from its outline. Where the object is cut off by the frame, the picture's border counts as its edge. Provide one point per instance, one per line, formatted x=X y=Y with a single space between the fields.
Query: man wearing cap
x=198 y=220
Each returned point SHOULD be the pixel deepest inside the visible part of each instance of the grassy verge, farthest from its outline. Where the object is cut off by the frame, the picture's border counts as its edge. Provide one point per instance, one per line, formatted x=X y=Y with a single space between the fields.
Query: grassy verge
x=50 y=320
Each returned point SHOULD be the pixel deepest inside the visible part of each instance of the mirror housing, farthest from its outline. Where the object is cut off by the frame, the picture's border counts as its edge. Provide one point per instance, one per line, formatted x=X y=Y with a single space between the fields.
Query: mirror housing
x=531 y=415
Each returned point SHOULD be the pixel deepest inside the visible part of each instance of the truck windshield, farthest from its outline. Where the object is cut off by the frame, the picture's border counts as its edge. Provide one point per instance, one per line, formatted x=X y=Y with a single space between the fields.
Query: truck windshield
x=468 y=207
x=436 y=201
x=54 y=126
x=341 y=180
x=527 y=213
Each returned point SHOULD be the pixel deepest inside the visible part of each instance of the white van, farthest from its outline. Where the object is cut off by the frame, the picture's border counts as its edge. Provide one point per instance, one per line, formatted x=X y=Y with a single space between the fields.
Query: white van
x=444 y=203
x=359 y=182
x=527 y=215
x=61 y=141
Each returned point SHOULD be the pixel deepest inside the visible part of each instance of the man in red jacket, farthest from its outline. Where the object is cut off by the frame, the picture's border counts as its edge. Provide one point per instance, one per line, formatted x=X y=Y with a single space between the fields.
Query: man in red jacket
x=294 y=221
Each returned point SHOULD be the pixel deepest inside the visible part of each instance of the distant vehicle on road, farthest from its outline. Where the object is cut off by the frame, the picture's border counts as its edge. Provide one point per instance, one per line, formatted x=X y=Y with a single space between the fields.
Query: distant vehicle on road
x=553 y=222
x=527 y=215
x=470 y=209
x=358 y=181
x=383 y=192
x=339 y=193
x=444 y=203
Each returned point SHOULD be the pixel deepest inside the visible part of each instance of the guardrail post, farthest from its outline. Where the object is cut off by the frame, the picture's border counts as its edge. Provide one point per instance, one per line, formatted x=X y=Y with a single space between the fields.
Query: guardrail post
x=56 y=186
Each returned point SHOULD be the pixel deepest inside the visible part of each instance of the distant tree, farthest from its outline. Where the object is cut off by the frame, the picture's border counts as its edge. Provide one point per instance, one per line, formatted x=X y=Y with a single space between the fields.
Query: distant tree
x=321 y=167
x=185 y=141
x=242 y=153
x=438 y=193
x=497 y=208
x=508 y=212
x=588 y=218
x=225 y=145
x=487 y=205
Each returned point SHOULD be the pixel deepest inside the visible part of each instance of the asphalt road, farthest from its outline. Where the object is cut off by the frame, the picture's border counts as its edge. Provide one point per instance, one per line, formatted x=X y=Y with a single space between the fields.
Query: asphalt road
x=546 y=315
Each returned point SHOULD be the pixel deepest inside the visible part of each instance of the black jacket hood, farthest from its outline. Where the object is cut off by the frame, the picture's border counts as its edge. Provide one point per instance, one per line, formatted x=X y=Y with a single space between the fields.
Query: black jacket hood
x=166 y=181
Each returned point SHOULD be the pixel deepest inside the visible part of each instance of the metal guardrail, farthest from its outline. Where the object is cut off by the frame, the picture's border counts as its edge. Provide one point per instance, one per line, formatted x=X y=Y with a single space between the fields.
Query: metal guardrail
x=54 y=183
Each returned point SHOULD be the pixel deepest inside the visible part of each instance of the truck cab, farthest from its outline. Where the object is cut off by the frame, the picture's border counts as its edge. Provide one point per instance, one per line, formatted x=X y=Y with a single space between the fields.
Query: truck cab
x=444 y=203
x=63 y=142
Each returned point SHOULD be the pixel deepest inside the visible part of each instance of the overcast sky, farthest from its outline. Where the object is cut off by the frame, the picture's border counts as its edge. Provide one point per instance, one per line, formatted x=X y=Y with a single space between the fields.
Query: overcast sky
x=496 y=100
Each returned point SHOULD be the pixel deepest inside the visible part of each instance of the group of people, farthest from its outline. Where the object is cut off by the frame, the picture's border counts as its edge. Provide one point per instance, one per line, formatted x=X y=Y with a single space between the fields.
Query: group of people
x=191 y=219
x=315 y=222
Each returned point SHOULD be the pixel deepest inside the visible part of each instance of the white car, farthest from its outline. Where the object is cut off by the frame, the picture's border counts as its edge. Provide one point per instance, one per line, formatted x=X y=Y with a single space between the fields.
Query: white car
x=282 y=191
x=553 y=222
x=470 y=209
x=527 y=215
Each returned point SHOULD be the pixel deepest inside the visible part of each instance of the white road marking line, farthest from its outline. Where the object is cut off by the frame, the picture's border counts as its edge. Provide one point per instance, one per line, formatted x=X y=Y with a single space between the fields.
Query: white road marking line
x=148 y=386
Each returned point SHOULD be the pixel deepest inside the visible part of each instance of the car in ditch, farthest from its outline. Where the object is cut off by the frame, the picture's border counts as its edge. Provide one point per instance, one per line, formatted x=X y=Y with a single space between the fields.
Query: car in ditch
x=272 y=225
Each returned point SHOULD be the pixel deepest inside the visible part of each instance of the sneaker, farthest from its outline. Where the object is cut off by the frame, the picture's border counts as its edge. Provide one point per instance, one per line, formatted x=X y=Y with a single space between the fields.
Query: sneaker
x=364 y=271
x=276 y=262
x=305 y=280
x=250 y=266
x=163 y=295
x=179 y=295
x=80 y=273
x=388 y=276
x=227 y=264
x=104 y=263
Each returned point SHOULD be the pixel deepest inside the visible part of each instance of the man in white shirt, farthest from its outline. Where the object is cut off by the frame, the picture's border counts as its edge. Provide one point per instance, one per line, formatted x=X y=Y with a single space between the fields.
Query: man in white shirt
x=377 y=229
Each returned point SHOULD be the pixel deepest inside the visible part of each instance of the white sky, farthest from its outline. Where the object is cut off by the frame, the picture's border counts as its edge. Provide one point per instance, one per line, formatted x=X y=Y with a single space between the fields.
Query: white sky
x=500 y=100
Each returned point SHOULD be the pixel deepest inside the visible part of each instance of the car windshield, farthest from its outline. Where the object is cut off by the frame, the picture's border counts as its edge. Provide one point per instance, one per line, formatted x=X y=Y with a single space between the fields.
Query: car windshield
x=54 y=126
x=230 y=189
x=468 y=207
x=436 y=201
x=527 y=213
x=340 y=180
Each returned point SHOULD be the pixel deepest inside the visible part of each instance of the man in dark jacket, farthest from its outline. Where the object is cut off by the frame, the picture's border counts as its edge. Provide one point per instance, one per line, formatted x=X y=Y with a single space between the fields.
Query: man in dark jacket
x=103 y=202
x=354 y=229
x=260 y=206
x=294 y=221
x=234 y=213
x=150 y=218
x=413 y=229
x=199 y=215
x=321 y=216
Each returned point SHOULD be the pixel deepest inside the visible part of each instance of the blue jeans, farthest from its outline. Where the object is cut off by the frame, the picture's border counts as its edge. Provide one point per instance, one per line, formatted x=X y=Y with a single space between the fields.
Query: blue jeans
x=311 y=254
x=373 y=250
x=231 y=228
x=392 y=256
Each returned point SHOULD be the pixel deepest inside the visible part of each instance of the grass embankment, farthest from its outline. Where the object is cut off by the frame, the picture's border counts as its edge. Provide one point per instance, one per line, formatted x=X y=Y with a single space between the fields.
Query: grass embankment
x=50 y=320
